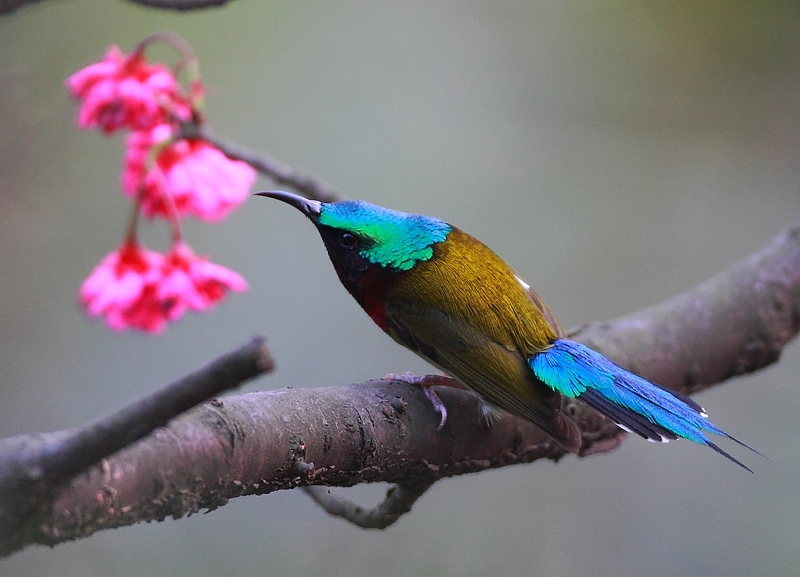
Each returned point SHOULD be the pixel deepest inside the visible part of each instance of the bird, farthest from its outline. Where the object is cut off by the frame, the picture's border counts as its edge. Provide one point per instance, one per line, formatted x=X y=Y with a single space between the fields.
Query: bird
x=453 y=301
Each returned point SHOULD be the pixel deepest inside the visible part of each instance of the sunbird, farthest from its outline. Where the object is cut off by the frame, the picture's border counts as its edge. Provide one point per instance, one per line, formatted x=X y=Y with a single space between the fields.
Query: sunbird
x=450 y=299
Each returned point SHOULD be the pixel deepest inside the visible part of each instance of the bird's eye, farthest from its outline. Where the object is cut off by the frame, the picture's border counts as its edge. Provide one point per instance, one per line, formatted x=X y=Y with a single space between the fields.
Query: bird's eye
x=348 y=240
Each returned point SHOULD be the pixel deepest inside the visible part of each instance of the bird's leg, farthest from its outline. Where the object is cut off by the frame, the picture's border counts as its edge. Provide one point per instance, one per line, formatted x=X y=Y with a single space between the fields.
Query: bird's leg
x=426 y=382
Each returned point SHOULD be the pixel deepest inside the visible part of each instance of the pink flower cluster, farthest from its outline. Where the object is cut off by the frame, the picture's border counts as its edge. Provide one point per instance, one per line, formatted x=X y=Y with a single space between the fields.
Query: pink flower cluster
x=199 y=179
x=167 y=176
x=124 y=91
x=138 y=288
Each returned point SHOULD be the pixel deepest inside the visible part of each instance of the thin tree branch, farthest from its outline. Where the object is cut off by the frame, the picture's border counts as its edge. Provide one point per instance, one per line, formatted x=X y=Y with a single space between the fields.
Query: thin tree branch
x=737 y=322
x=181 y=5
x=9 y=6
x=308 y=185
x=34 y=467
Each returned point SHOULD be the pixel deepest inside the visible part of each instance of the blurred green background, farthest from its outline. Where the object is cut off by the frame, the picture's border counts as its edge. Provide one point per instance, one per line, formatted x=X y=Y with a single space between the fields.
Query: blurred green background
x=615 y=152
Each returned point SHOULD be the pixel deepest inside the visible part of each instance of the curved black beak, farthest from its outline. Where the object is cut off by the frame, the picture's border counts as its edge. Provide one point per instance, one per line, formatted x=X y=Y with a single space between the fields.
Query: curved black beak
x=310 y=208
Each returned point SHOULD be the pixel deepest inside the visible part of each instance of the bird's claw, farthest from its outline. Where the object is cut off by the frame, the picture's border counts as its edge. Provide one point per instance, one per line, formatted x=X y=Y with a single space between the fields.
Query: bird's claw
x=437 y=403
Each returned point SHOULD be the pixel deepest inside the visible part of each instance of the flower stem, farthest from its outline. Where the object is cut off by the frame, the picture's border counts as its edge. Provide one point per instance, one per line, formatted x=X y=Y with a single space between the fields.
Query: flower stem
x=177 y=42
x=133 y=218
x=151 y=167
x=188 y=62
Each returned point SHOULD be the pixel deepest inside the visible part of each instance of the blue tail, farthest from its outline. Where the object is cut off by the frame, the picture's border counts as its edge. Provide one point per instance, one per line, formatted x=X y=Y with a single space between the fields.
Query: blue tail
x=635 y=404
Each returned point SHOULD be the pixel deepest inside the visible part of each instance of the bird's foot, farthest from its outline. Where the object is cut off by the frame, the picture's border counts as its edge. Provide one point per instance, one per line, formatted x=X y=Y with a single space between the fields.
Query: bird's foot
x=425 y=382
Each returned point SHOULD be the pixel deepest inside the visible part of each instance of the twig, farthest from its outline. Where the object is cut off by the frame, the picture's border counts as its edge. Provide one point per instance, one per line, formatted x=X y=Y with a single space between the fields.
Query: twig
x=399 y=500
x=308 y=185
x=9 y=6
x=181 y=5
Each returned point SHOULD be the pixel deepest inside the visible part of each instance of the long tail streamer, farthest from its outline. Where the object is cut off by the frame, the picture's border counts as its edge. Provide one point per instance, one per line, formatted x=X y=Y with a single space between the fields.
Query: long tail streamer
x=633 y=403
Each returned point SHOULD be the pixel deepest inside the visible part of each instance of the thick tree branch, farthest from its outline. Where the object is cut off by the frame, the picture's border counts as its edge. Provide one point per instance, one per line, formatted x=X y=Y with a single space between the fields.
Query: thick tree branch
x=737 y=322
x=262 y=442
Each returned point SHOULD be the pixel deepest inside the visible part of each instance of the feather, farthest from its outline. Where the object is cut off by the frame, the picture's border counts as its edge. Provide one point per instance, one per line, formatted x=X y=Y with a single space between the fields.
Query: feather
x=466 y=353
x=635 y=404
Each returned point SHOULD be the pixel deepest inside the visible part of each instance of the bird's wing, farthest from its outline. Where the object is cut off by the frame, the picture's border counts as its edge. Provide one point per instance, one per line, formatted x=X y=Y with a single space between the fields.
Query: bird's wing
x=498 y=372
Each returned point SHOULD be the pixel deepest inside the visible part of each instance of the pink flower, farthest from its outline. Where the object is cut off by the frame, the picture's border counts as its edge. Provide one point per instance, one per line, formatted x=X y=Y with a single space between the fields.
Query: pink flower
x=200 y=180
x=141 y=289
x=192 y=282
x=122 y=287
x=124 y=91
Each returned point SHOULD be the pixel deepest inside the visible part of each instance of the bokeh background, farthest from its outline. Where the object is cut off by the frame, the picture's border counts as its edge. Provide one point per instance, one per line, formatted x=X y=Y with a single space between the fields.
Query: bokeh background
x=615 y=152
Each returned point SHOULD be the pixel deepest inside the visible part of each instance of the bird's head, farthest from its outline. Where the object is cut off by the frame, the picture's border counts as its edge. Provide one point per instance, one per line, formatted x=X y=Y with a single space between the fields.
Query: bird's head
x=360 y=236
